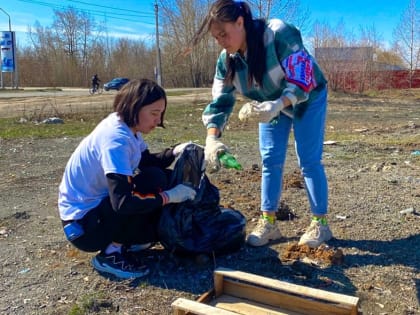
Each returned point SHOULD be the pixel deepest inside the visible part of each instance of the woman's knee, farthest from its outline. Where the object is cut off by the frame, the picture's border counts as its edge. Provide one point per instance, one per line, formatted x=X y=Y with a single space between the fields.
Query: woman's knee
x=272 y=160
x=311 y=167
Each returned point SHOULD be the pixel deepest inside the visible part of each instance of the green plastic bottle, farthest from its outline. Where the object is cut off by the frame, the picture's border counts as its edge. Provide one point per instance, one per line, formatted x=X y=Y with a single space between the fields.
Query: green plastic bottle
x=229 y=161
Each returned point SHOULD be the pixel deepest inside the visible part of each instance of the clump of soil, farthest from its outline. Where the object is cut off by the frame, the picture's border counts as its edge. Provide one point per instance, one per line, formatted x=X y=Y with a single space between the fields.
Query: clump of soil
x=293 y=180
x=322 y=255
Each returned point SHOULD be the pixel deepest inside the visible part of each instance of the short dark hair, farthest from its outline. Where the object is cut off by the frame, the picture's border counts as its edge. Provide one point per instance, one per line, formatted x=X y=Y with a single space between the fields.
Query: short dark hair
x=136 y=94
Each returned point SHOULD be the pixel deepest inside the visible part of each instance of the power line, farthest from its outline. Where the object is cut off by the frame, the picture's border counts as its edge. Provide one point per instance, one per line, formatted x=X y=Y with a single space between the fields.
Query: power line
x=107 y=7
x=51 y=5
x=104 y=14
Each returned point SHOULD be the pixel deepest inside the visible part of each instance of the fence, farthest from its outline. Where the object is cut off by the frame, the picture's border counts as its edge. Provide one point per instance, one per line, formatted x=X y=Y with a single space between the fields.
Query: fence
x=359 y=81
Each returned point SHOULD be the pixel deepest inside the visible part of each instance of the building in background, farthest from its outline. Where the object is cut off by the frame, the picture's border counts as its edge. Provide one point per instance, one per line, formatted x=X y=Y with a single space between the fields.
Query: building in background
x=356 y=69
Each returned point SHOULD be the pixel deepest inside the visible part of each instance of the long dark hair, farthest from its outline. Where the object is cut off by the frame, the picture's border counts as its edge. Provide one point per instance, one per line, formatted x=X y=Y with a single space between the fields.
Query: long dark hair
x=133 y=96
x=228 y=11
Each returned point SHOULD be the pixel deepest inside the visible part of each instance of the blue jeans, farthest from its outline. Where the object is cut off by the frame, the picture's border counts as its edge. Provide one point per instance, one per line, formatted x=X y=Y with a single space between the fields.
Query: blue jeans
x=309 y=137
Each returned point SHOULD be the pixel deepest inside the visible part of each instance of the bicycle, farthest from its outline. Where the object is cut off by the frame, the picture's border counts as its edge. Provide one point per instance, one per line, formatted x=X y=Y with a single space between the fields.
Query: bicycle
x=96 y=90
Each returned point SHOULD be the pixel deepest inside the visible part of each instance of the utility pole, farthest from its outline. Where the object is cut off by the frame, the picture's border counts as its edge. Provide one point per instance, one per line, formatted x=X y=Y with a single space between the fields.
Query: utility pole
x=158 y=71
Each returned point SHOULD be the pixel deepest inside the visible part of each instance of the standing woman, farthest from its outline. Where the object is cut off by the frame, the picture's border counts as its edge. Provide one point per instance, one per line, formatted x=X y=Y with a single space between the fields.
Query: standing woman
x=268 y=63
x=113 y=189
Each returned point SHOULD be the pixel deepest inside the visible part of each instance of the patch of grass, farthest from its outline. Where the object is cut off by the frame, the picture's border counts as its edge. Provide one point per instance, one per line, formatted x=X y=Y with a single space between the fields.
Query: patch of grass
x=182 y=122
x=381 y=139
x=180 y=92
x=93 y=303
x=344 y=136
x=176 y=93
x=73 y=126
x=49 y=89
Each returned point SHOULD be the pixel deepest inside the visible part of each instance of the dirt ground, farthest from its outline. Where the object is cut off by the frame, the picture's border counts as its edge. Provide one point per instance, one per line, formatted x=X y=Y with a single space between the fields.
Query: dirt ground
x=374 y=188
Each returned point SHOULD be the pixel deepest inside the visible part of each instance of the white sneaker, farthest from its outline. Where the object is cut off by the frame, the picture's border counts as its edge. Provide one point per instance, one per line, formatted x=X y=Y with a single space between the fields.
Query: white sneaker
x=316 y=234
x=263 y=233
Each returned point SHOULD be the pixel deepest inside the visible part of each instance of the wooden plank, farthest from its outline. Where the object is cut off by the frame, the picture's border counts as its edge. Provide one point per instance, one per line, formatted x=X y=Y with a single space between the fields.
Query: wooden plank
x=296 y=303
x=218 y=283
x=294 y=296
x=206 y=297
x=183 y=306
x=247 y=307
x=288 y=287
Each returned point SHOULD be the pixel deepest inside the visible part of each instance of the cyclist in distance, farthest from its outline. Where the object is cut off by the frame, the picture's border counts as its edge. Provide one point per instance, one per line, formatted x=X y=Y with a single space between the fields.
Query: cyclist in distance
x=95 y=82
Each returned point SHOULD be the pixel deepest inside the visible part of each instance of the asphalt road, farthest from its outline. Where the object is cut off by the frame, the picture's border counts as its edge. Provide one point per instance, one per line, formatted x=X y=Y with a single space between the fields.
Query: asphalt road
x=50 y=92
x=30 y=92
x=32 y=101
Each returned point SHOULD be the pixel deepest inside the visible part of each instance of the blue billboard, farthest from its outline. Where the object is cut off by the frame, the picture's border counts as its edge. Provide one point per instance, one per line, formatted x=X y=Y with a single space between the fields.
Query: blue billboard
x=7 y=51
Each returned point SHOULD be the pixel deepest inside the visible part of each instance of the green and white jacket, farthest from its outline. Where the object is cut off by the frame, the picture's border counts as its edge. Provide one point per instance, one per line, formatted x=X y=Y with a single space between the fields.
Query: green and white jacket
x=291 y=71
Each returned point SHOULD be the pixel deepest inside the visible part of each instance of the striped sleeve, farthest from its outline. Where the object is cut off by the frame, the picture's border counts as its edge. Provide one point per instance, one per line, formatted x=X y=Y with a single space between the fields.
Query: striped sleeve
x=297 y=64
x=217 y=112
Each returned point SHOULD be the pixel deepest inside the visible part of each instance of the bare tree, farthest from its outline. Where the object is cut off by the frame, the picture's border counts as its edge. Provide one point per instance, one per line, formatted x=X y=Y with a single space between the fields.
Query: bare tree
x=369 y=36
x=354 y=62
x=370 y=67
x=41 y=57
x=290 y=11
x=389 y=57
x=325 y=35
x=131 y=59
x=67 y=28
x=86 y=27
x=263 y=9
x=328 y=43
x=71 y=59
x=407 y=38
x=73 y=30
x=180 y=20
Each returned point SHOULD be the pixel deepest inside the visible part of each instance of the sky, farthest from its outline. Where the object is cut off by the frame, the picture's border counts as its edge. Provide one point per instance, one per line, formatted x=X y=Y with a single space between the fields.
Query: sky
x=135 y=19
x=384 y=15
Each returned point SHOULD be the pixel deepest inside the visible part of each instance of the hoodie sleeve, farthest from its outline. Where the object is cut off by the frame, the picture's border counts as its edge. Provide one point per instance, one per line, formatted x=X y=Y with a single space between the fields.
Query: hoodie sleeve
x=217 y=112
x=127 y=201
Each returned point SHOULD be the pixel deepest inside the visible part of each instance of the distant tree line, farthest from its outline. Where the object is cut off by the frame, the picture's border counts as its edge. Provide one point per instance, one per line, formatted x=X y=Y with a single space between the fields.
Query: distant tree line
x=75 y=46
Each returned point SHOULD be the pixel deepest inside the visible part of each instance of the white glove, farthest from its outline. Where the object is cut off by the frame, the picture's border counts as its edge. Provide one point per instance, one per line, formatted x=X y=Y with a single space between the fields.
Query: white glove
x=177 y=150
x=246 y=113
x=262 y=112
x=214 y=147
x=179 y=193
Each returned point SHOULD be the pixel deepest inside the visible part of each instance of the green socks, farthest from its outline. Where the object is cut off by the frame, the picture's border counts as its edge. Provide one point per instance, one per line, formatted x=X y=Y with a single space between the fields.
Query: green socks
x=323 y=221
x=271 y=220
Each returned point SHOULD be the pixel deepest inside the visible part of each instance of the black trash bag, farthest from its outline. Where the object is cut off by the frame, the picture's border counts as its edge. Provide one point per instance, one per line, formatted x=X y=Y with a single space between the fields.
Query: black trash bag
x=199 y=226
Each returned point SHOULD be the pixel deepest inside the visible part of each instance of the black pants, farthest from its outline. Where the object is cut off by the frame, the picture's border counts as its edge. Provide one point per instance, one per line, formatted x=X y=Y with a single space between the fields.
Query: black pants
x=102 y=225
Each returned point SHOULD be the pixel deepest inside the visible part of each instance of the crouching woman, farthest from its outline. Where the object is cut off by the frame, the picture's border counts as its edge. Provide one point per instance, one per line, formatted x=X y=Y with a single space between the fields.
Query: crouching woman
x=113 y=188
